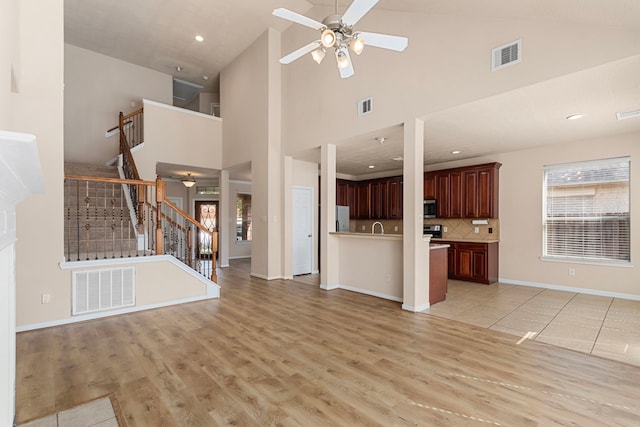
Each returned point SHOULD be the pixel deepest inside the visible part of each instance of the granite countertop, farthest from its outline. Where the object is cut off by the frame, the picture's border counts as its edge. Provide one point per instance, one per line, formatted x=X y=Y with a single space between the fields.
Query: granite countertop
x=433 y=246
x=465 y=240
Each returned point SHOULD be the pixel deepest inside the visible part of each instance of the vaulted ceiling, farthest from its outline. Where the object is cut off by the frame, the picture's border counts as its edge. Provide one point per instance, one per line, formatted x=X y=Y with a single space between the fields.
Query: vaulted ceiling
x=159 y=34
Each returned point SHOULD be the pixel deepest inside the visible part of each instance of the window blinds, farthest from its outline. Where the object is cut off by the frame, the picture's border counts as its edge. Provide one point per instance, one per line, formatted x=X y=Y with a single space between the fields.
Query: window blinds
x=586 y=212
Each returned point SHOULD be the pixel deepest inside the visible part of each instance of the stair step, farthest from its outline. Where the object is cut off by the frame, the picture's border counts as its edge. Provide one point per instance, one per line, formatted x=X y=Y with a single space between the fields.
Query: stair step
x=86 y=169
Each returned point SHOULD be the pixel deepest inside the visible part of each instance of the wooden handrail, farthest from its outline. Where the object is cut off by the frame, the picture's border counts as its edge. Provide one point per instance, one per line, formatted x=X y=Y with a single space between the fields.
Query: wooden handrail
x=135 y=113
x=111 y=180
x=118 y=126
x=188 y=217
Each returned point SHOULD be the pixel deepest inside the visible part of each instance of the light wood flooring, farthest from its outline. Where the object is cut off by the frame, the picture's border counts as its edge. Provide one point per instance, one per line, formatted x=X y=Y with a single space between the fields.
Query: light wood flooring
x=283 y=353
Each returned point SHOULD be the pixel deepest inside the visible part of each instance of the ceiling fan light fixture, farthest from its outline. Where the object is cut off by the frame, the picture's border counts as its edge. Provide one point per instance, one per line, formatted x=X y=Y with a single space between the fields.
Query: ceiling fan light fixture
x=328 y=38
x=356 y=45
x=318 y=54
x=343 y=59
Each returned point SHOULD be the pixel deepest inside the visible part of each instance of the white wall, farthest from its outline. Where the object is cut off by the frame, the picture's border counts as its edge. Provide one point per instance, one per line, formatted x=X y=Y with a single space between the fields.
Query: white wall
x=250 y=90
x=520 y=246
x=447 y=63
x=178 y=136
x=97 y=88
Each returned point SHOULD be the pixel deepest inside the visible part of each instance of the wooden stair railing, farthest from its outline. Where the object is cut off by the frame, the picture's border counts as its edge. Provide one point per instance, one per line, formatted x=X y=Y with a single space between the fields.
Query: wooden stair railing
x=98 y=224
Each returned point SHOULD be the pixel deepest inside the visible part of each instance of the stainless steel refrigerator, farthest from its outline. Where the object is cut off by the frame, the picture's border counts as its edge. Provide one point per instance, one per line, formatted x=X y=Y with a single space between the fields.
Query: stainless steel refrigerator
x=342 y=218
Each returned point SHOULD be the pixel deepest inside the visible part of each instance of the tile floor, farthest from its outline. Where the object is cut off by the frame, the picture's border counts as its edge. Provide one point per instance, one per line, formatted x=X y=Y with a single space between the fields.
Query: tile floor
x=98 y=413
x=602 y=326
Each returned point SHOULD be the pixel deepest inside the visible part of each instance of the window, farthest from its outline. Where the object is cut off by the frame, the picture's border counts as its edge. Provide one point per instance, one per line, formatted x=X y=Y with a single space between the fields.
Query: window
x=244 y=226
x=586 y=211
x=207 y=190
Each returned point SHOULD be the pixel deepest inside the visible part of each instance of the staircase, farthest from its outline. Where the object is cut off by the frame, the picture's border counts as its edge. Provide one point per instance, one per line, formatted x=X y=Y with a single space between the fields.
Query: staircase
x=98 y=221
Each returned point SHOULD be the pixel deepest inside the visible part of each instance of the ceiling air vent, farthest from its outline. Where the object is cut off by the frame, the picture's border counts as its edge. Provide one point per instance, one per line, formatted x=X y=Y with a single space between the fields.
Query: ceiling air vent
x=628 y=114
x=509 y=54
x=365 y=106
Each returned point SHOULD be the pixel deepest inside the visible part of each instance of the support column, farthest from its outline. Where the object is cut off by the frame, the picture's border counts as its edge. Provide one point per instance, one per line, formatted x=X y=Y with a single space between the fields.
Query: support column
x=415 y=248
x=329 y=255
x=226 y=223
x=287 y=219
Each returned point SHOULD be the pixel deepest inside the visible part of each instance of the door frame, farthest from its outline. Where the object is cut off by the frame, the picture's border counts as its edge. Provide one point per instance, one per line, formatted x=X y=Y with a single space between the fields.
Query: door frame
x=310 y=191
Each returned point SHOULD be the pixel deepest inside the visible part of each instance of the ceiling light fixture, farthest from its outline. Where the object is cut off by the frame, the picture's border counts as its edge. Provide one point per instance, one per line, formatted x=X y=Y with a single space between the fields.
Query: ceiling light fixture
x=398 y=159
x=456 y=152
x=328 y=38
x=205 y=77
x=381 y=139
x=357 y=44
x=574 y=117
x=199 y=38
x=188 y=181
x=178 y=68
x=343 y=59
x=318 y=54
x=371 y=166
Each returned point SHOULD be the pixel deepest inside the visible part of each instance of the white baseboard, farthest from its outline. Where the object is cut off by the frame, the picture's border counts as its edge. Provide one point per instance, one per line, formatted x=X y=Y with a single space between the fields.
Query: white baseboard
x=373 y=294
x=100 y=315
x=415 y=309
x=570 y=289
x=262 y=276
x=240 y=257
x=329 y=288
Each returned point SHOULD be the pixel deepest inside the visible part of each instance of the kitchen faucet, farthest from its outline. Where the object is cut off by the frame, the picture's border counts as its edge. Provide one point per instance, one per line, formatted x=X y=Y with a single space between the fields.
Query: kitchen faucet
x=373 y=227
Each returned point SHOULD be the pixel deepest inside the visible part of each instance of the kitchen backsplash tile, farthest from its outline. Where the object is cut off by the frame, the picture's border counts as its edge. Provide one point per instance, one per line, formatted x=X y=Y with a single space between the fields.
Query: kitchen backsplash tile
x=464 y=229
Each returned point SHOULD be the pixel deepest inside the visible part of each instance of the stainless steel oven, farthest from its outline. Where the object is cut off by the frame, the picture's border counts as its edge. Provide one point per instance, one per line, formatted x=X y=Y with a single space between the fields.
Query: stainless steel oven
x=434 y=229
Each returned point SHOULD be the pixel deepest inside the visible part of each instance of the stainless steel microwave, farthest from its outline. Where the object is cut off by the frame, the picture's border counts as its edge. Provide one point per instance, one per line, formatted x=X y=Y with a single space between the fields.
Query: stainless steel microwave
x=430 y=208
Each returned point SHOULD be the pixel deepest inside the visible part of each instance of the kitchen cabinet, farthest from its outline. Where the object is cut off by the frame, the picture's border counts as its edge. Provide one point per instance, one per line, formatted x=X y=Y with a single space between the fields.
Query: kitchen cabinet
x=437 y=275
x=394 y=198
x=379 y=198
x=363 y=200
x=467 y=192
x=473 y=261
x=346 y=195
x=429 y=185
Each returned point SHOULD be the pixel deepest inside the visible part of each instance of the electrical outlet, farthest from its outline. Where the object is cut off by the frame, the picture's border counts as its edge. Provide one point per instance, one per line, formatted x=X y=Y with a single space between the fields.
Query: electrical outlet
x=476 y=230
x=363 y=228
x=45 y=298
x=572 y=272
x=395 y=228
x=444 y=229
x=490 y=230
x=388 y=277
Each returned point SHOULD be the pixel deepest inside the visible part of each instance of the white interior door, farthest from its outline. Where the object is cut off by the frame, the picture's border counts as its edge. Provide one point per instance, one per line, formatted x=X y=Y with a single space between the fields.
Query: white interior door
x=302 y=230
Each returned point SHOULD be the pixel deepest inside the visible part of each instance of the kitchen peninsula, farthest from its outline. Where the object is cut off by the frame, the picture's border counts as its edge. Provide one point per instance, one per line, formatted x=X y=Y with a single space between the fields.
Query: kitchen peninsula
x=372 y=264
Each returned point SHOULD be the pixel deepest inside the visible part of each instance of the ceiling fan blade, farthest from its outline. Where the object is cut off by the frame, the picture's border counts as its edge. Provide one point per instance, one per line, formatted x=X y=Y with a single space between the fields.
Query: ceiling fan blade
x=384 y=41
x=347 y=71
x=297 y=18
x=356 y=11
x=300 y=52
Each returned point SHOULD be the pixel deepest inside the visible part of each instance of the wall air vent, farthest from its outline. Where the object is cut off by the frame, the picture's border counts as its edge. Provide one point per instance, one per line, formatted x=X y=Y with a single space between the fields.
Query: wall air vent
x=628 y=114
x=100 y=290
x=508 y=54
x=365 y=106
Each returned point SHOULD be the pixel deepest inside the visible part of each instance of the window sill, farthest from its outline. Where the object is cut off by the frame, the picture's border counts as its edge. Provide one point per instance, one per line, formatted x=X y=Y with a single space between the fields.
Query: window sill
x=604 y=263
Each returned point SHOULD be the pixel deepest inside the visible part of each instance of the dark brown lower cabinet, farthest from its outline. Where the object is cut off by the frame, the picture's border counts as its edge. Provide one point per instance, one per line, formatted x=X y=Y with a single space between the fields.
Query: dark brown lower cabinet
x=473 y=262
x=437 y=275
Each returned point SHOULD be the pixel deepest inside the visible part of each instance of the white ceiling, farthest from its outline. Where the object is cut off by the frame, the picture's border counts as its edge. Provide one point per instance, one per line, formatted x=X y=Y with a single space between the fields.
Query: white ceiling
x=159 y=34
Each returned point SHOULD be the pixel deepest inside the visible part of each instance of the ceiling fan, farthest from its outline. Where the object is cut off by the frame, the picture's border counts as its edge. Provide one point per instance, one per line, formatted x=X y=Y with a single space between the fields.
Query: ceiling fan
x=336 y=31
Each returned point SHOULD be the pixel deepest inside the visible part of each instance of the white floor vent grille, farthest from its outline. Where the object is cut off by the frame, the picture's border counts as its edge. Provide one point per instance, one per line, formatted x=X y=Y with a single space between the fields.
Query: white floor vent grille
x=100 y=290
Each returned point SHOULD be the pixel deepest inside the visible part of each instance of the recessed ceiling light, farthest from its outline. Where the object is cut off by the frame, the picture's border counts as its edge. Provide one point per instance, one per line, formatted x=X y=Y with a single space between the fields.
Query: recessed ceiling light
x=381 y=139
x=199 y=38
x=456 y=152
x=371 y=166
x=574 y=117
x=205 y=77
x=397 y=158
x=178 y=68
